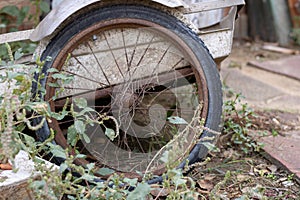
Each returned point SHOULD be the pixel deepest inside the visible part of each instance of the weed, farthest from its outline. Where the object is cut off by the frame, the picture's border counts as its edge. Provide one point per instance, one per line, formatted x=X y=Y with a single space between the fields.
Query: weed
x=13 y=18
x=68 y=180
x=237 y=122
x=295 y=33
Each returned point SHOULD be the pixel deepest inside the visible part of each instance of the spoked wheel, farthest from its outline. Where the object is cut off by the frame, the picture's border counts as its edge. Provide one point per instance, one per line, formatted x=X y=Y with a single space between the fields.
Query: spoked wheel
x=147 y=74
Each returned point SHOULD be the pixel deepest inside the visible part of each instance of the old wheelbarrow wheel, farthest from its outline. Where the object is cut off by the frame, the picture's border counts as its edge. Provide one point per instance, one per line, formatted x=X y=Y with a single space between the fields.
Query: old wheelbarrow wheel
x=145 y=70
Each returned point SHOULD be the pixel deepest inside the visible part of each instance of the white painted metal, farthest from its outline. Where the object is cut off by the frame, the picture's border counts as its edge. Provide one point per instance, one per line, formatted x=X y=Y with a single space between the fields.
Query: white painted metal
x=211 y=5
x=205 y=18
x=68 y=7
x=219 y=40
x=219 y=48
x=15 y=36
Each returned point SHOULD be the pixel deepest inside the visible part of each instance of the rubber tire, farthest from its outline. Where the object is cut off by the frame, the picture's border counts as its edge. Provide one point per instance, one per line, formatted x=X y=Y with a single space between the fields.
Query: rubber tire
x=163 y=19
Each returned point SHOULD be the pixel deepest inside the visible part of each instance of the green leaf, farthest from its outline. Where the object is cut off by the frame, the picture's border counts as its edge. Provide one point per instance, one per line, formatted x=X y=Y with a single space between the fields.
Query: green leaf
x=86 y=138
x=105 y=171
x=80 y=102
x=12 y=75
x=44 y=6
x=140 y=192
x=54 y=85
x=131 y=182
x=57 y=151
x=88 y=177
x=22 y=15
x=80 y=156
x=63 y=167
x=176 y=120
x=63 y=77
x=210 y=146
x=52 y=70
x=25 y=10
x=19 y=78
x=165 y=157
x=110 y=133
x=59 y=116
x=18 y=54
x=71 y=197
x=72 y=135
x=179 y=181
x=85 y=110
x=38 y=184
x=10 y=10
x=79 y=126
x=90 y=166
x=29 y=140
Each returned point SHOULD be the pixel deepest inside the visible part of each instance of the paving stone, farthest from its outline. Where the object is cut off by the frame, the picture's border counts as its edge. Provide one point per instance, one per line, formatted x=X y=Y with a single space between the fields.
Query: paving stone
x=252 y=89
x=285 y=149
x=267 y=90
x=286 y=66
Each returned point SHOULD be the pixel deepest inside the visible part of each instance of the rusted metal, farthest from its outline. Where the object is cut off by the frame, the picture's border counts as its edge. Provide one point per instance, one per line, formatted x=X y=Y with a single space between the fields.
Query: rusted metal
x=139 y=80
x=93 y=95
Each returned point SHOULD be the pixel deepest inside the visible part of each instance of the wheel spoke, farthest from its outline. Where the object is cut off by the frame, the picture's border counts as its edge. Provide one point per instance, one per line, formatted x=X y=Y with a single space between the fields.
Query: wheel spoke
x=86 y=78
x=137 y=73
x=113 y=55
x=82 y=65
x=125 y=49
x=145 y=51
x=135 y=46
x=98 y=62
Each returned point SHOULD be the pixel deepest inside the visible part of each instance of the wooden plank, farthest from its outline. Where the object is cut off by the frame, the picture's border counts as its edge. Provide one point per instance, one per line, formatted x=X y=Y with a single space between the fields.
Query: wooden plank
x=15 y=36
x=280 y=49
x=288 y=67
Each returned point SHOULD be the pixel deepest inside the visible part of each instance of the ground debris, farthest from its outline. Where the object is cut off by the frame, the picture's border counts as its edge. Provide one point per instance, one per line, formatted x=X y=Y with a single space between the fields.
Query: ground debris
x=251 y=177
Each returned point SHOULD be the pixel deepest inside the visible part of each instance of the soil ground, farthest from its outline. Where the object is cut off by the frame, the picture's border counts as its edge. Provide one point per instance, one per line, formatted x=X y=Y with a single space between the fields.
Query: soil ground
x=233 y=174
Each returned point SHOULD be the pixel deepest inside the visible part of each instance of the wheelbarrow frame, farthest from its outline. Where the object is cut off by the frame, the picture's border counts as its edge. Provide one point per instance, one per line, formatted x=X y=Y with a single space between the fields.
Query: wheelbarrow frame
x=218 y=38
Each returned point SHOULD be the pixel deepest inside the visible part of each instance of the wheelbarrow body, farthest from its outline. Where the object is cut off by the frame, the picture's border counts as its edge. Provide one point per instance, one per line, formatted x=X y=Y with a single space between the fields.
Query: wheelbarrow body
x=143 y=64
x=217 y=38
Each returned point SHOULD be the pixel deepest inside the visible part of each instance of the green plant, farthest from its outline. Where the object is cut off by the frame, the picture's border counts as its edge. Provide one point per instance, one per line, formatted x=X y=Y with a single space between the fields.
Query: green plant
x=271 y=176
x=237 y=122
x=41 y=7
x=295 y=33
x=70 y=181
x=13 y=18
